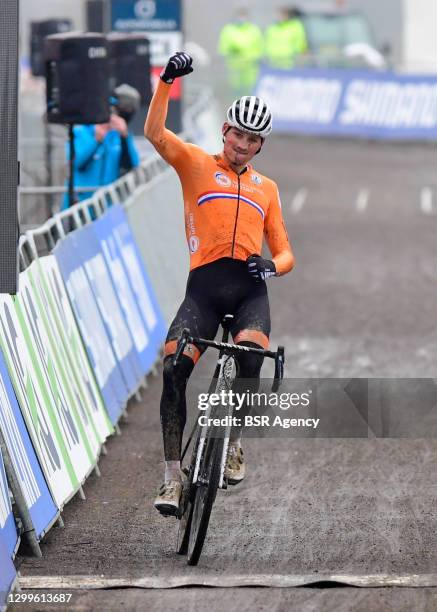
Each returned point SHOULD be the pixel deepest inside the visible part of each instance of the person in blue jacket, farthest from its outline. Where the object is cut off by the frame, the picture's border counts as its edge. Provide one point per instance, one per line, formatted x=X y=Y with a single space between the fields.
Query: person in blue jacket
x=105 y=151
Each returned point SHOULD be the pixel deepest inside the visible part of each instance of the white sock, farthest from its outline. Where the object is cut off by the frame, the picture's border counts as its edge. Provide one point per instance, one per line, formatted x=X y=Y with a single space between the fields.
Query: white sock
x=172 y=470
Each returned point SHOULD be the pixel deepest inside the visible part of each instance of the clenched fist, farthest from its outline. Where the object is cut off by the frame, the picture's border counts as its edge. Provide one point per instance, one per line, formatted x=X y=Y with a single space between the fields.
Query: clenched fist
x=178 y=65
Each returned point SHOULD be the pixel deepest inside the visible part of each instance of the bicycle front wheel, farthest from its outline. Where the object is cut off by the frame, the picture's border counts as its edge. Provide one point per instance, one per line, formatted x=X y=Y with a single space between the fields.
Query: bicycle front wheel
x=206 y=491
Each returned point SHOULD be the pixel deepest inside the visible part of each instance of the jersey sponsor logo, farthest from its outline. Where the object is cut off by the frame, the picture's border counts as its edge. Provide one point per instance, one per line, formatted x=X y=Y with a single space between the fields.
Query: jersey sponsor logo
x=213 y=195
x=193 y=243
x=255 y=178
x=222 y=180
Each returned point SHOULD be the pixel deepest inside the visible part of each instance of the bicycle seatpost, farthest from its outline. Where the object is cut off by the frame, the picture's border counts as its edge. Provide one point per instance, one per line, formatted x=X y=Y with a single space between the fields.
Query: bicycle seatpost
x=226 y=323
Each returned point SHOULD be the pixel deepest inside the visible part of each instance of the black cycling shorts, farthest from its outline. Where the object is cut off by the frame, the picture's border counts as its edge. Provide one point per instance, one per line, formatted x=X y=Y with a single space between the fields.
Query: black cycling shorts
x=219 y=288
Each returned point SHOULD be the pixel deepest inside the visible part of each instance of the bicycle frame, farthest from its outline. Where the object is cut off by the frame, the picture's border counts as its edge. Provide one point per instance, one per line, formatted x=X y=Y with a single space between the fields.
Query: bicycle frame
x=206 y=470
x=231 y=350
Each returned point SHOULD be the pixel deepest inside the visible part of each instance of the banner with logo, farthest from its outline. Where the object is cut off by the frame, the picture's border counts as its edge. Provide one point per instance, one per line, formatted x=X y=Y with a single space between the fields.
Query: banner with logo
x=27 y=470
x=351 y=103
x=8 y=530
x=72 y=253
x=77 y=434
x=45 y=426
x=110 y=308
x=161 y=20
x=8 y=575
x=48 y=283
x=64 y=372
x=132 y=285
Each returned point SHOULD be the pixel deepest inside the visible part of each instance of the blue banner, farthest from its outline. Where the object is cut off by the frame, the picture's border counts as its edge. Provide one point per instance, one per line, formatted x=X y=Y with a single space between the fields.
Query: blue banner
x=148 y=15
x=351 y=103
x=7 y=574
x=140 y=306
x=27 y=469
x=97 y=343
x=8 y=530
x=109 y=305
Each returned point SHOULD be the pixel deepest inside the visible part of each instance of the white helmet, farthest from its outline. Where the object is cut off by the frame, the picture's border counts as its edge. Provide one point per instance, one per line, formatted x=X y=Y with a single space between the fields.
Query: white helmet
x=250 y=114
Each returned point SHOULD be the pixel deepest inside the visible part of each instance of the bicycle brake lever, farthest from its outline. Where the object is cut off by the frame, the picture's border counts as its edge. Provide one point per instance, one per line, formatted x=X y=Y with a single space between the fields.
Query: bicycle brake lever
x=279 y=368
x=182 y=343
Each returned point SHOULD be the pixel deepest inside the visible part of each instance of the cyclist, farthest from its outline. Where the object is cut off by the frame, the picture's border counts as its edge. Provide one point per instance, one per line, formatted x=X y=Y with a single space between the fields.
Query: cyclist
x=228 y=208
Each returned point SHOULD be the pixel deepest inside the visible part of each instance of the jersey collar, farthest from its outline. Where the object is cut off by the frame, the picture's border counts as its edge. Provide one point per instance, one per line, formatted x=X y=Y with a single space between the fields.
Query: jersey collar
x=221 y=161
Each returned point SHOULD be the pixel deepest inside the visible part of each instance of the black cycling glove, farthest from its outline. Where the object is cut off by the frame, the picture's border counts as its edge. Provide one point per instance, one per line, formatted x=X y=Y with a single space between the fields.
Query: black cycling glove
x=178 y=65
x=259 y=268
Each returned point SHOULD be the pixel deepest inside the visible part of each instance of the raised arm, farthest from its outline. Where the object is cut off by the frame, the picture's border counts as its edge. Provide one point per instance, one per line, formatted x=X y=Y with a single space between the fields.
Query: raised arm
x=168 y=145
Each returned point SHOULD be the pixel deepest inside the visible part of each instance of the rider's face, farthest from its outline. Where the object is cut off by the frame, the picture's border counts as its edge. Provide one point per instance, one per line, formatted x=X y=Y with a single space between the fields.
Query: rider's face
x=239 y=147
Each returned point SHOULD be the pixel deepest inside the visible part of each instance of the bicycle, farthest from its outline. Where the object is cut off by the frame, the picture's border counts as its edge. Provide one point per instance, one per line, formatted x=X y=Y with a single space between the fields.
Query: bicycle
x=205 y=472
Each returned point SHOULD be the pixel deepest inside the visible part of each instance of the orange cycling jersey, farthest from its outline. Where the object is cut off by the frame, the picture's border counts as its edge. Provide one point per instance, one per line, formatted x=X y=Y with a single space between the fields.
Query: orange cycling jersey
x=226 y=214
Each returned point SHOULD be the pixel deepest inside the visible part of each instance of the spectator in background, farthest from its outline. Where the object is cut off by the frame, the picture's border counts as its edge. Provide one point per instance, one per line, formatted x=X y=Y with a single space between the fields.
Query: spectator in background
x=285 y=39
x=105 y=151
x=241 y=44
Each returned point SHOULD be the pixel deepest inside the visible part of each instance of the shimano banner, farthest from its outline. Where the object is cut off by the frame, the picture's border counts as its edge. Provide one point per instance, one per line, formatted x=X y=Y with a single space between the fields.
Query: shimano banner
x=27 y=470
x=351 y=103
x=8 y=530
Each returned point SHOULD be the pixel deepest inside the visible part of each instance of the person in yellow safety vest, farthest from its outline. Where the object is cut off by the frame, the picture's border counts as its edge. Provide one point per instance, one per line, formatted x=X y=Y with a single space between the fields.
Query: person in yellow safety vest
x=285 y=39
x=241 y=43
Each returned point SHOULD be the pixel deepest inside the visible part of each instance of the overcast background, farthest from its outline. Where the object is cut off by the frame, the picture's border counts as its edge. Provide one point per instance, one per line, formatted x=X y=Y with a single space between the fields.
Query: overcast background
x=408 y=26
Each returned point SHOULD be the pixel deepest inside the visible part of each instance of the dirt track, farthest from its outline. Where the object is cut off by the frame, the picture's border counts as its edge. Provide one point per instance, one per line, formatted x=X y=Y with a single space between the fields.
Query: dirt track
x=361 y=302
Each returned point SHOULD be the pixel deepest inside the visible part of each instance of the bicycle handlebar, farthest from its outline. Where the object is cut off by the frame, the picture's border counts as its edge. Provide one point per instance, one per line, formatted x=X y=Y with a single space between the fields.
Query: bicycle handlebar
x=278 y=356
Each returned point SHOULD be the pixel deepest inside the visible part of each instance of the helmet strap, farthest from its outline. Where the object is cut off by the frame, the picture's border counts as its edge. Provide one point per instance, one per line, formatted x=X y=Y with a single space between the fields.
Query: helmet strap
x=261 y=146
x=225 y=132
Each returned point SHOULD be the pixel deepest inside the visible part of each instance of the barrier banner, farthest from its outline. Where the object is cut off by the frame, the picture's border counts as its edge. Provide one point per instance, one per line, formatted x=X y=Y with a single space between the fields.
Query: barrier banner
x=132 y=285
x=64 y=374
x=8 y=529
x=351 y=103
x=110 y=309
x=36 y=402
x=97 y=343
x=27 y=469
x=8 y=575
x=161 y=240
x=47 y=280
x=80 y=443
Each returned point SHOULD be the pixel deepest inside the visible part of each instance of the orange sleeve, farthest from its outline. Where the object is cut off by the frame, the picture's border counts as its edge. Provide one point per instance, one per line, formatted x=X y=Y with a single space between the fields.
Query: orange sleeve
x=169 y=146
x=276 y=235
